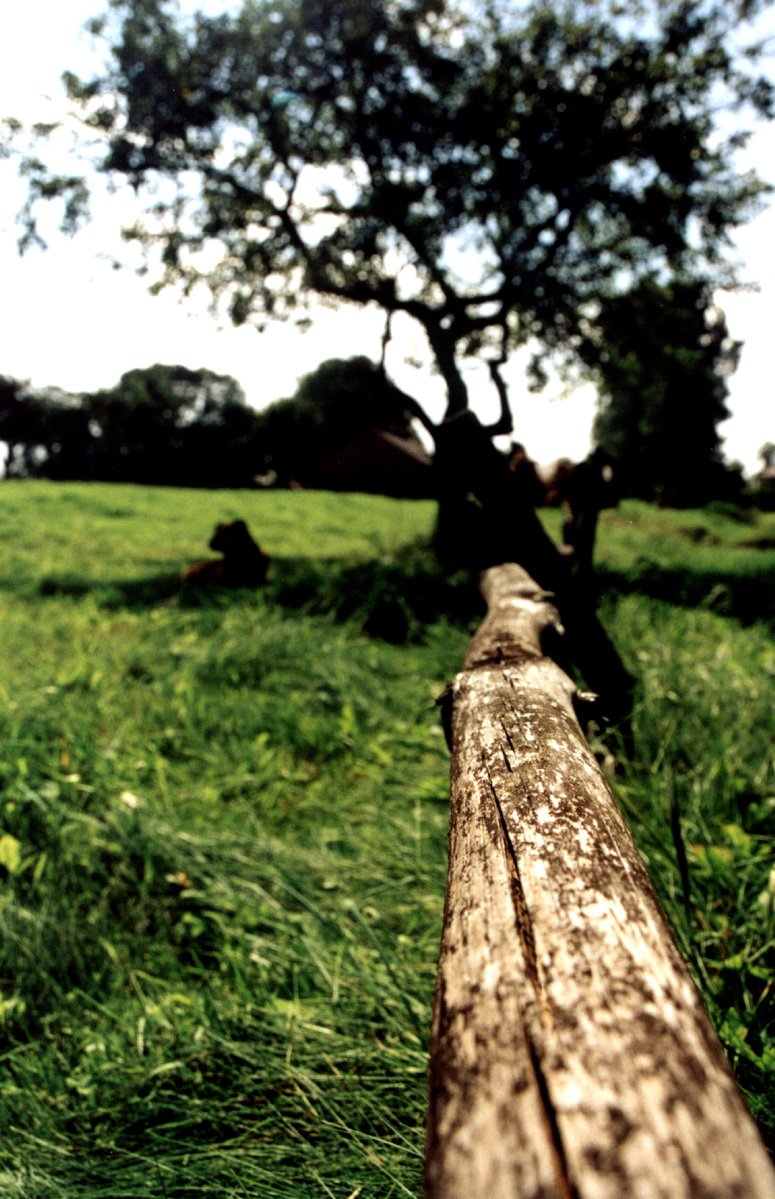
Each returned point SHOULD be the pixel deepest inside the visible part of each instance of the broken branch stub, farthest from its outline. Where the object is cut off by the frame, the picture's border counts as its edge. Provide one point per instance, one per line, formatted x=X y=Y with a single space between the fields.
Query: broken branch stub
x=571 y=1055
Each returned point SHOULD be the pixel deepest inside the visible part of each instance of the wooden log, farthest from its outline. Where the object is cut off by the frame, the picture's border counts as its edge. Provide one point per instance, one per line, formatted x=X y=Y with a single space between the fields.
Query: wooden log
x=571 y=1055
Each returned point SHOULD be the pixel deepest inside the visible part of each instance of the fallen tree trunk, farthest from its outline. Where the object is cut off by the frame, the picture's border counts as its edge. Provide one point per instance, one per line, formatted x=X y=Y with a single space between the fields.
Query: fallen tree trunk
x=571 y=1055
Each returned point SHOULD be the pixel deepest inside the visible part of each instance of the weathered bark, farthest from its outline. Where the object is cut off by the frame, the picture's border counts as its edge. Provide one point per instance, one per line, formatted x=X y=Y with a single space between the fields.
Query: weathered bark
x=571 y=1055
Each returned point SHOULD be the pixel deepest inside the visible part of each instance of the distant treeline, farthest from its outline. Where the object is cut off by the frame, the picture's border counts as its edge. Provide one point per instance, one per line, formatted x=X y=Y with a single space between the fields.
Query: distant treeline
x=346 y=428
x=166 y=424
x=193 y=428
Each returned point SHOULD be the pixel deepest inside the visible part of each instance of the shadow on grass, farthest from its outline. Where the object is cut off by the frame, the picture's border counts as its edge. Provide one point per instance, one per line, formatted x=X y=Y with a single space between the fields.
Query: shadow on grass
x=397 y=598
x=147 y=592
x=394 y=599
x=748 y=598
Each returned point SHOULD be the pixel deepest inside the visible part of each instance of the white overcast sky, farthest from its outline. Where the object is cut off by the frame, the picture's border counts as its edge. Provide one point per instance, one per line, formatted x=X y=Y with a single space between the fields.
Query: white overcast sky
x=68 y=319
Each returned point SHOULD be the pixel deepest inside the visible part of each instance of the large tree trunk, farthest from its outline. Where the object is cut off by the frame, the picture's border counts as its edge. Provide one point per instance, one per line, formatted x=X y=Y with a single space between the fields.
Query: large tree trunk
x=486 y=517
x=571 y=1055
x=444 y=348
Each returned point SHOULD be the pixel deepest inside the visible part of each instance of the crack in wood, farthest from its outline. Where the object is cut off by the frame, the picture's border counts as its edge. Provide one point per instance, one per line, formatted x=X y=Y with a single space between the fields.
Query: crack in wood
x=564 y=1184
x=510 y=742
x=522 y=920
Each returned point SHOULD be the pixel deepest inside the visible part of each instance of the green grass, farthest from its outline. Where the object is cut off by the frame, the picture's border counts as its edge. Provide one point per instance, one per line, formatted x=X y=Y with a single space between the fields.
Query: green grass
x=222 y=850
x=719 y=558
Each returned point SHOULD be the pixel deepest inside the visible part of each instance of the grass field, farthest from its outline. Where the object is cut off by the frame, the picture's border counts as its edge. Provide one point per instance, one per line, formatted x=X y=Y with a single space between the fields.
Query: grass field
x=223 y=839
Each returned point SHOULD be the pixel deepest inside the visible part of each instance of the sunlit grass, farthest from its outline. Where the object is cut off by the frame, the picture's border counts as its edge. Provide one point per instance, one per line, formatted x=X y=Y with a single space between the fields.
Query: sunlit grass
x=114 y=532
x=702 y=788
x=718 y=558
x=224 y=822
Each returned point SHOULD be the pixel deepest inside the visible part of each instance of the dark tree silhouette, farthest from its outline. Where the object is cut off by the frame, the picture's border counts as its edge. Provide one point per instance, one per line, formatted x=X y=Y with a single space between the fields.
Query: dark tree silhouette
x=163 y=424
x=333 y=404
x=663 y=360
x=174 y=425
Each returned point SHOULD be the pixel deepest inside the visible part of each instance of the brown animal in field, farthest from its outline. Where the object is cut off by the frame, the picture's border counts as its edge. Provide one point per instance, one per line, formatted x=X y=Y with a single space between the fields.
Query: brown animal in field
x=244 y=563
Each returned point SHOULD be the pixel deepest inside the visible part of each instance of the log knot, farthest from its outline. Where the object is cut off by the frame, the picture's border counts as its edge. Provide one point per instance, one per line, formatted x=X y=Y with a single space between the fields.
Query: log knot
x=505 y=653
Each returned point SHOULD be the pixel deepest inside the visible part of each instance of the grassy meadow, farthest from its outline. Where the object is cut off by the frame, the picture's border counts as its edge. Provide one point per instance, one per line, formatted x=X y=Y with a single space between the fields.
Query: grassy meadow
x=223 y=837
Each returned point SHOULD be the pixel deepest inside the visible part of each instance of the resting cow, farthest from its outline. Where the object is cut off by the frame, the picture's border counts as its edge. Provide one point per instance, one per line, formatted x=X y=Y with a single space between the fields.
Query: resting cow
x=244 y=563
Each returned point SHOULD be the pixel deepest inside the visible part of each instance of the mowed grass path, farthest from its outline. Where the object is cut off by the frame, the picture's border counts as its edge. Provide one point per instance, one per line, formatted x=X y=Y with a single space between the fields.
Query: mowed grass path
x=222 y=851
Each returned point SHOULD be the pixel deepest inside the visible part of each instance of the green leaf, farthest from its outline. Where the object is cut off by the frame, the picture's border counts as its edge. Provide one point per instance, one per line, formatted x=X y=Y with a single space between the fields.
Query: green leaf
x=10 y=853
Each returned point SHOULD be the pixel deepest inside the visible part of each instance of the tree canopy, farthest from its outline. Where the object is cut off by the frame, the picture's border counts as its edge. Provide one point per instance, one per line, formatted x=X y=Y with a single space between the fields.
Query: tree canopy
x=193 y=428
x=500 y=173
x=332 y=405
x=160 y=424
x=662 y=362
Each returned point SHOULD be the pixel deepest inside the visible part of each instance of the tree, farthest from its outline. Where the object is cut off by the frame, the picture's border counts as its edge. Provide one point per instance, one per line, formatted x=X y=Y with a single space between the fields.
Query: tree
x=17 y=426
x=161 y=424
x=498 y=173
x=764 y=482
x=171 y=424
x=662 y=361
x=47 y=432
x=333 y=404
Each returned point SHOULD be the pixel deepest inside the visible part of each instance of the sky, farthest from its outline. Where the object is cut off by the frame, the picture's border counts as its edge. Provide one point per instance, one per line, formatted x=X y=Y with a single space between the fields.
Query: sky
x=69 y=319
